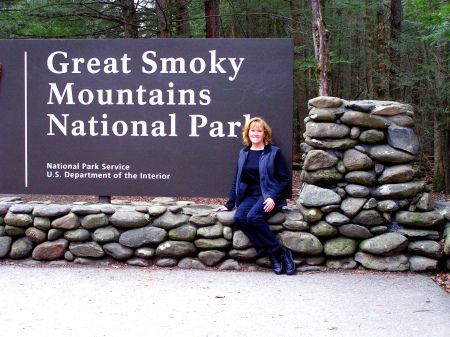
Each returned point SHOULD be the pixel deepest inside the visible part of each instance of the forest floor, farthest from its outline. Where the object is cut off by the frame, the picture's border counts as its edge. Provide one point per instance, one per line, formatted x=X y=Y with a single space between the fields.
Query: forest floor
x=442 y=278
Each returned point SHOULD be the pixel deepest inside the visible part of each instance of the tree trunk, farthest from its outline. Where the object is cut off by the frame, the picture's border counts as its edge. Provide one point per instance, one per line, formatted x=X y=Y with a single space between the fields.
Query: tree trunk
x=182 y=14
x=394 y=53
x=130 y=26
x=321 y=48
x=163 y=18
x=300 y=100
x=212 y=18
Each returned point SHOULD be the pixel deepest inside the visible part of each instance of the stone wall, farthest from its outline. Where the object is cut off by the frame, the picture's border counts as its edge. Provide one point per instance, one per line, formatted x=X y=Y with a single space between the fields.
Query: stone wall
x=362 y=195
x=362 y=204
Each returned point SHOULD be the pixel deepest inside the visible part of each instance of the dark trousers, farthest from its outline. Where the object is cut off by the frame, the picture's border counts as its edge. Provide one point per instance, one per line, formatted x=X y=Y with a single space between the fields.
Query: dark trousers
x=250 y=218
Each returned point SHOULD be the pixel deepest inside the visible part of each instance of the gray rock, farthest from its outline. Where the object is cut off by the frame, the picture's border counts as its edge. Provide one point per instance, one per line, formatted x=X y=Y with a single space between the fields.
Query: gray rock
x=426 y=247
x=18 y=220
x=443 y=208
x=419 y=234
x=361 y=178
x=329 y=208
x=36 y=235
x=139 y=262
x=309 y=214
x=77 y=235
x=358 y=118
x=166 y=262
x=326 y=130
x=309 y=269
x=323 y=115
x=371 y=136
x=21 y=248
x=387 y=206
x=176 y=249
x=422 y=263
x=331 y=143
x=175 y=209
x=69 y=256
x=355 y=160
x=357 y=191
x=346 y=263
x=385 y=244
x=145 y=252
x=211 y=257
x=240 y=240
x=397 y=174
x=191 y=263
x=401 y=120
x=425 y=203
x=4 y=207
x=21 y=208
x=103 y=262
x=379 y=168
x=51 y=210
x=118 y=251
x=387 y=154
x=305 y=148
x=42 y=223
x=326 y=102
x=355 y=132
x=368 y=218
x=300 y=242
x=135 y=238
x=362 y=106
x=340 y=247
x=230 y=264
x=86 y=249
x=399 y=191
x=276 y=219
x=2 y=230
x=323 y=178
x=245 y=254
x=336 y=219
x=14 y=231
x=69 y=221
x=107 y=209
x=403 y=139
x=227 y=233
x=183 y=233
x=50 y=250
x=378 y=230
x=93 y=221
x=355 y=231
x=156 y=210
x=351 y=206
x=389 y=263
x=212 y=244
x=83 y=209
x=55 y=234
x=323 y=229
x=5 y=246
x=340 y=167
x=371 y=203
x=226 y=218
x=389 y=110
x=313 y=196
x=420 y=219
x=106 y=234
x=210 y=232
x=130 y=219
x=202 y=220
x=314 y=260
x=295 y=225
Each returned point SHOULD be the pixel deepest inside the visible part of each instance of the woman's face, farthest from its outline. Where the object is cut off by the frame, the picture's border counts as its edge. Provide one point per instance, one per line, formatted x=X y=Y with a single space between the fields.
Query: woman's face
x=256 y=134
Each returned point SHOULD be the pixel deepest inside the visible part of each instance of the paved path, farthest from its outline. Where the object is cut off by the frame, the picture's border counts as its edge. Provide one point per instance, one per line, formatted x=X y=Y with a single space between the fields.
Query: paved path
x=132 y=302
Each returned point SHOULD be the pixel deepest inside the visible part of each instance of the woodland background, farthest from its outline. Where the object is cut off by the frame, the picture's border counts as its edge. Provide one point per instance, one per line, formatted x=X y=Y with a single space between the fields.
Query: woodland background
x=353 y=49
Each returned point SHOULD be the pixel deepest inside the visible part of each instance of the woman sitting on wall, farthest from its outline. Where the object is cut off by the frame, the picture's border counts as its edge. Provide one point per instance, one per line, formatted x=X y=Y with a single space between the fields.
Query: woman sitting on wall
x=259 y=191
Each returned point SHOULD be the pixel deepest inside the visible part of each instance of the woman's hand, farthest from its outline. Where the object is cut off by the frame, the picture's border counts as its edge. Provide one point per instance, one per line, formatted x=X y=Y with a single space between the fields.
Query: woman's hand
x=221 y=209
x=269 y=204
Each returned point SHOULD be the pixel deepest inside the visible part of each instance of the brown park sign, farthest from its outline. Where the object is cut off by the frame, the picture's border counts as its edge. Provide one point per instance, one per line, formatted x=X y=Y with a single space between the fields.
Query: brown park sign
x=137 y=117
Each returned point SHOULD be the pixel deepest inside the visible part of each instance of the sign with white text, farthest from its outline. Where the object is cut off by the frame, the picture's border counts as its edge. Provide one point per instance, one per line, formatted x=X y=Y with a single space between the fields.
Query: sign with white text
x=160 y=117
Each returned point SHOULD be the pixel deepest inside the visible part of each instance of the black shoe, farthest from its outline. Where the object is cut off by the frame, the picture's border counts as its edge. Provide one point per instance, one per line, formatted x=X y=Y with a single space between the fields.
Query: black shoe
x=288 y=261
x=276 y=264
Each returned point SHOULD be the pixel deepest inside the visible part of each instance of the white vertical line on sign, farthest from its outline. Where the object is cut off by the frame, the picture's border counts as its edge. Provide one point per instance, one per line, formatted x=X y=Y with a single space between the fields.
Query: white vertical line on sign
x=26 y=117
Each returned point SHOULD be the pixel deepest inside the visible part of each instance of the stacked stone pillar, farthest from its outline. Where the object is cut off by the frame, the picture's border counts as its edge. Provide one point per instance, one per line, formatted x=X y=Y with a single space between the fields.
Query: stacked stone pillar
x=361 y=192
